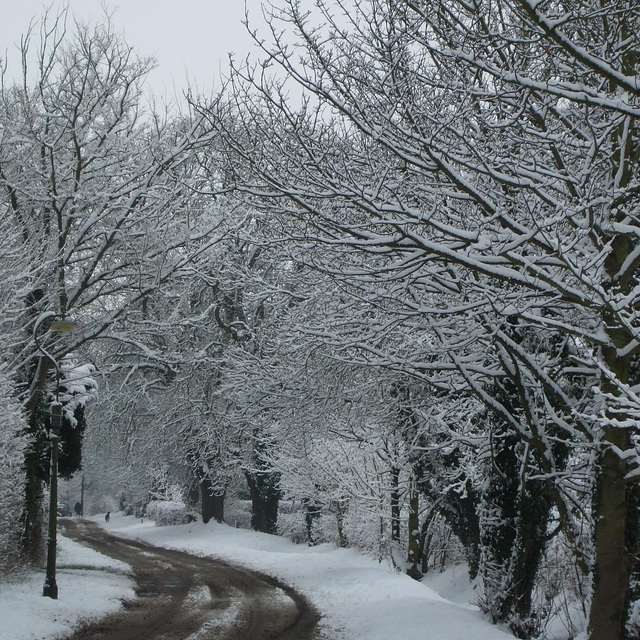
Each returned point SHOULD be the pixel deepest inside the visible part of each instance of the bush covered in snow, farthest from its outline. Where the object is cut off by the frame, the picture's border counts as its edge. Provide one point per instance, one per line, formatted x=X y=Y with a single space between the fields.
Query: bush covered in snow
x=237 y=513
x=170 y=512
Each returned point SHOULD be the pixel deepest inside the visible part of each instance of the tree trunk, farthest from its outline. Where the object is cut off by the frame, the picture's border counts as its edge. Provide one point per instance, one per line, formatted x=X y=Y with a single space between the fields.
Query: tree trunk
x=339 y=511
x=611 y=504
x=395 y=505
x=610 y=507
x=32 y=546
x=265 y=496
x=413 y=522
x=33 y=515
x=311 y=513
x=212 y=502
x=528 y=548
x=612 y=563
x=82 y=495
x=425 y=540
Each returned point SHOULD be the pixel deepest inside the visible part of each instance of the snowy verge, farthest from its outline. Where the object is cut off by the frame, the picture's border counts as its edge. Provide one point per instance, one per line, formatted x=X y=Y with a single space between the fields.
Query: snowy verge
x=357 y=597
x=90 y=585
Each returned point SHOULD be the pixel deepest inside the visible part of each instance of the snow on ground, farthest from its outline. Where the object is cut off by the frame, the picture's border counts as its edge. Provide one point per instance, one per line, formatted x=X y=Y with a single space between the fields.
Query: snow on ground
x=90 y=585
x=453 y=585
x=357 y=597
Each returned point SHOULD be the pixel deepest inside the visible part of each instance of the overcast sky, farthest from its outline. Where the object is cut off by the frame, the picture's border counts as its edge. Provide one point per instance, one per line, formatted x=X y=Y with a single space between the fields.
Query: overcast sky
x=189 y=38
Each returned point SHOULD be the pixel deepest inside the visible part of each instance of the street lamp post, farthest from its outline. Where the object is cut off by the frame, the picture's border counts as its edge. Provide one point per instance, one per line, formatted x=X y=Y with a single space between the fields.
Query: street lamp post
x=50 y=588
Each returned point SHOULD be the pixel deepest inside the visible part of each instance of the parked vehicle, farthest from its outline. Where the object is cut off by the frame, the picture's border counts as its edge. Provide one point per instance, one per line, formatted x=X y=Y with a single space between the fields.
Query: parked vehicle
x=64 y=511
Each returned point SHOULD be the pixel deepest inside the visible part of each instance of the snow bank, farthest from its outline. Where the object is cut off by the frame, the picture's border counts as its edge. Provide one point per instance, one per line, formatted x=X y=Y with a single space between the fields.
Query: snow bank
x=357 y=597
x=90 y=585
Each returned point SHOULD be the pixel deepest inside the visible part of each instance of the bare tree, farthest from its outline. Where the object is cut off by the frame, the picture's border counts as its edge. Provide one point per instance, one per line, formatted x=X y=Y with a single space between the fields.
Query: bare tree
x=475 y=166
x=94 y=189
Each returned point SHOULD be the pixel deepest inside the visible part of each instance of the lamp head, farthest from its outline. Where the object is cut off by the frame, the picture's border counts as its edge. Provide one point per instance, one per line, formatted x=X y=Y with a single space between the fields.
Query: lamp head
x=62 y=326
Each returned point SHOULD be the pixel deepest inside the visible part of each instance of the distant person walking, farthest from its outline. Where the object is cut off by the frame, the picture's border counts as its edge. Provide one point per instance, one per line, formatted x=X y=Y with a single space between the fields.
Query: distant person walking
x=78 y=508
x=107 y=516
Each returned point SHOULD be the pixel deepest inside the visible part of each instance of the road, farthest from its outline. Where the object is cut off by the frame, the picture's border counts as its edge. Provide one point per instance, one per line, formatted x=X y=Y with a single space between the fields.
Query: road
x=184 y=597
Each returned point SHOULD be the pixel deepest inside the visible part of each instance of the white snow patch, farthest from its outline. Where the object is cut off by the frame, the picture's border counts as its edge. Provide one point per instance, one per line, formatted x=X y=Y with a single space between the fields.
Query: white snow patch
x=90 y=585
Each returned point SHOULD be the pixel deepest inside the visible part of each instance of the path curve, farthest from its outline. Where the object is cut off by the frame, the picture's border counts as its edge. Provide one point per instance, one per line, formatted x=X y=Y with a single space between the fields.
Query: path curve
x=185 y=597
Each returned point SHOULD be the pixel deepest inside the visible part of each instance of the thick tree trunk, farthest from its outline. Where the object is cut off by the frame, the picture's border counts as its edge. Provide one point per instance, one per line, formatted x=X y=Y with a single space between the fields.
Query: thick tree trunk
x=212 y=502
x=612 y=562
x=528 y=548
x=265 y=496
x=32 y=547
x=610 y=508
x=611 y=501
x=33 y=514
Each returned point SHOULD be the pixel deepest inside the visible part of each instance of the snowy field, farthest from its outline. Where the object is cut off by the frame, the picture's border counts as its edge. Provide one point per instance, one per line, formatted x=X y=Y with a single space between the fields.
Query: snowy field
x=357 y=597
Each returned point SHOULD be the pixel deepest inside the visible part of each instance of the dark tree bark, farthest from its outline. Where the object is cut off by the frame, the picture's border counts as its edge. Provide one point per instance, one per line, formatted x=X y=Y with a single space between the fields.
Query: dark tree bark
x=212 y=501
x=265 y=497
x=311 y=514
x=395 y=504
x=32 y=547
x=413 y=524
x=37 y=469
x=612 y=507
x=338 y=509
